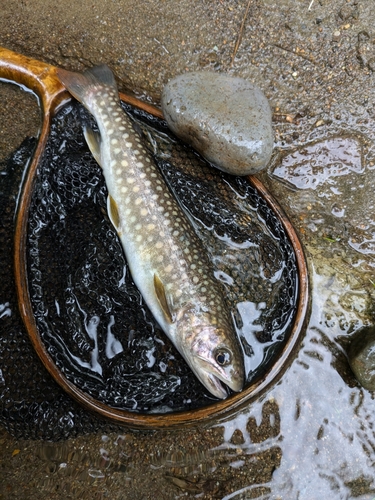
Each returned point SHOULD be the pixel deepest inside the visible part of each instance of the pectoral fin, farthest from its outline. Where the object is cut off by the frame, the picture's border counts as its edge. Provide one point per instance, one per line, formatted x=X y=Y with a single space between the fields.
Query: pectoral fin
x=93 y=141
x=160 y=293
x=113 y=212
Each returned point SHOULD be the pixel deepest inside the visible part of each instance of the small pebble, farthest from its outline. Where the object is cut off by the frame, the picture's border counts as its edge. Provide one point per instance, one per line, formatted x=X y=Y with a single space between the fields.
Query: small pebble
x=228 y=120
x=361 y=357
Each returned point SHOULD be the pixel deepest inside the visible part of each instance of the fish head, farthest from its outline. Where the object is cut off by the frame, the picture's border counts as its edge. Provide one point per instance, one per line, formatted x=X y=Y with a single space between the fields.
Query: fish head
x=214 y=355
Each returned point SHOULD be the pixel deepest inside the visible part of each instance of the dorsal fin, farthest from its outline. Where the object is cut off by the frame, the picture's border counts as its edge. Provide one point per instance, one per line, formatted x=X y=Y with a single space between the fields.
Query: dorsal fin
x=93 y=140
x=113 y=212
x=160 y=293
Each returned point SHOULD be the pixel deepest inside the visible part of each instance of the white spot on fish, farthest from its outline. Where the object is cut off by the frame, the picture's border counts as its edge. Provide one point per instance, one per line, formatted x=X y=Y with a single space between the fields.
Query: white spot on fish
x=124 y=189
x=138 y=201
x=119 y=171
x=144 y=211
x=135 y=189
x=124 y=163
x=128 y=144
x=140 y=164
x=130 y=180
x=117 y=151
x=114 y=141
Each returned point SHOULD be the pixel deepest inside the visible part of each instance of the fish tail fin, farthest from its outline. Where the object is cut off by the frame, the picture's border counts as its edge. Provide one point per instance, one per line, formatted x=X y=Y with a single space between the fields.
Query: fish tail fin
x=81 y=84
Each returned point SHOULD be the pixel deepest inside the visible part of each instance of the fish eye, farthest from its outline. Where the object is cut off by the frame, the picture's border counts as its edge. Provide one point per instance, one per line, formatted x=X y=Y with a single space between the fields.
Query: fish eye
x=223 y=357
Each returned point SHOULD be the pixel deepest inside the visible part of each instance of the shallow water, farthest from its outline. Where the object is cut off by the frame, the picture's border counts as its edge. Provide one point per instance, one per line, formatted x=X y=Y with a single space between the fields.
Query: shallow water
x=311 y=436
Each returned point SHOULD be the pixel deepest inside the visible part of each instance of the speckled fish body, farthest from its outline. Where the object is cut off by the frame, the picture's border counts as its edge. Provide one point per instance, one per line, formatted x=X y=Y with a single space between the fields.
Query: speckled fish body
x=164 y=255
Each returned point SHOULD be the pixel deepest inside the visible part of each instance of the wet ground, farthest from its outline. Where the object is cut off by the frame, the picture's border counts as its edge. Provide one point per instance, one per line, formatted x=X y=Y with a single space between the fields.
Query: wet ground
x=311 y=436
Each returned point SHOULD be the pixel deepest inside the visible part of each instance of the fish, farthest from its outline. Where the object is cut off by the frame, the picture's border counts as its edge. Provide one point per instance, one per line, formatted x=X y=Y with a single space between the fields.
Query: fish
x=165 y=256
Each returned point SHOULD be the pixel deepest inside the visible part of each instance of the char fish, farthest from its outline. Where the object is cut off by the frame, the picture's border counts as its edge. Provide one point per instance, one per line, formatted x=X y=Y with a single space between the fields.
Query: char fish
x=165 y=256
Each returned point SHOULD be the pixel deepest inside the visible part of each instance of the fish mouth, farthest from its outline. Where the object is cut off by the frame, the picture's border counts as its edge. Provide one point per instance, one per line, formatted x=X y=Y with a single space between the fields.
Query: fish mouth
x=215 y=386
x=218 y=386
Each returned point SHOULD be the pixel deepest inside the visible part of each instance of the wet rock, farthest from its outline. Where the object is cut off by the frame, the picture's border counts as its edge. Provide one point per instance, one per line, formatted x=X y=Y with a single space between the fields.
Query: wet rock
x=226 y=119
x=361 y=357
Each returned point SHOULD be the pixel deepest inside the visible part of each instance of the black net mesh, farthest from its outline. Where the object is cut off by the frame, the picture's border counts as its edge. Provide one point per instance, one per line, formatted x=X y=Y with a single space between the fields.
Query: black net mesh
x=91 y=317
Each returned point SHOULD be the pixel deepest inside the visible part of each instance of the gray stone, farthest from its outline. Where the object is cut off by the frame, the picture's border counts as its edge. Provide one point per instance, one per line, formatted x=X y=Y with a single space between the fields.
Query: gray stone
x=226 y=119
x=361 y=357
